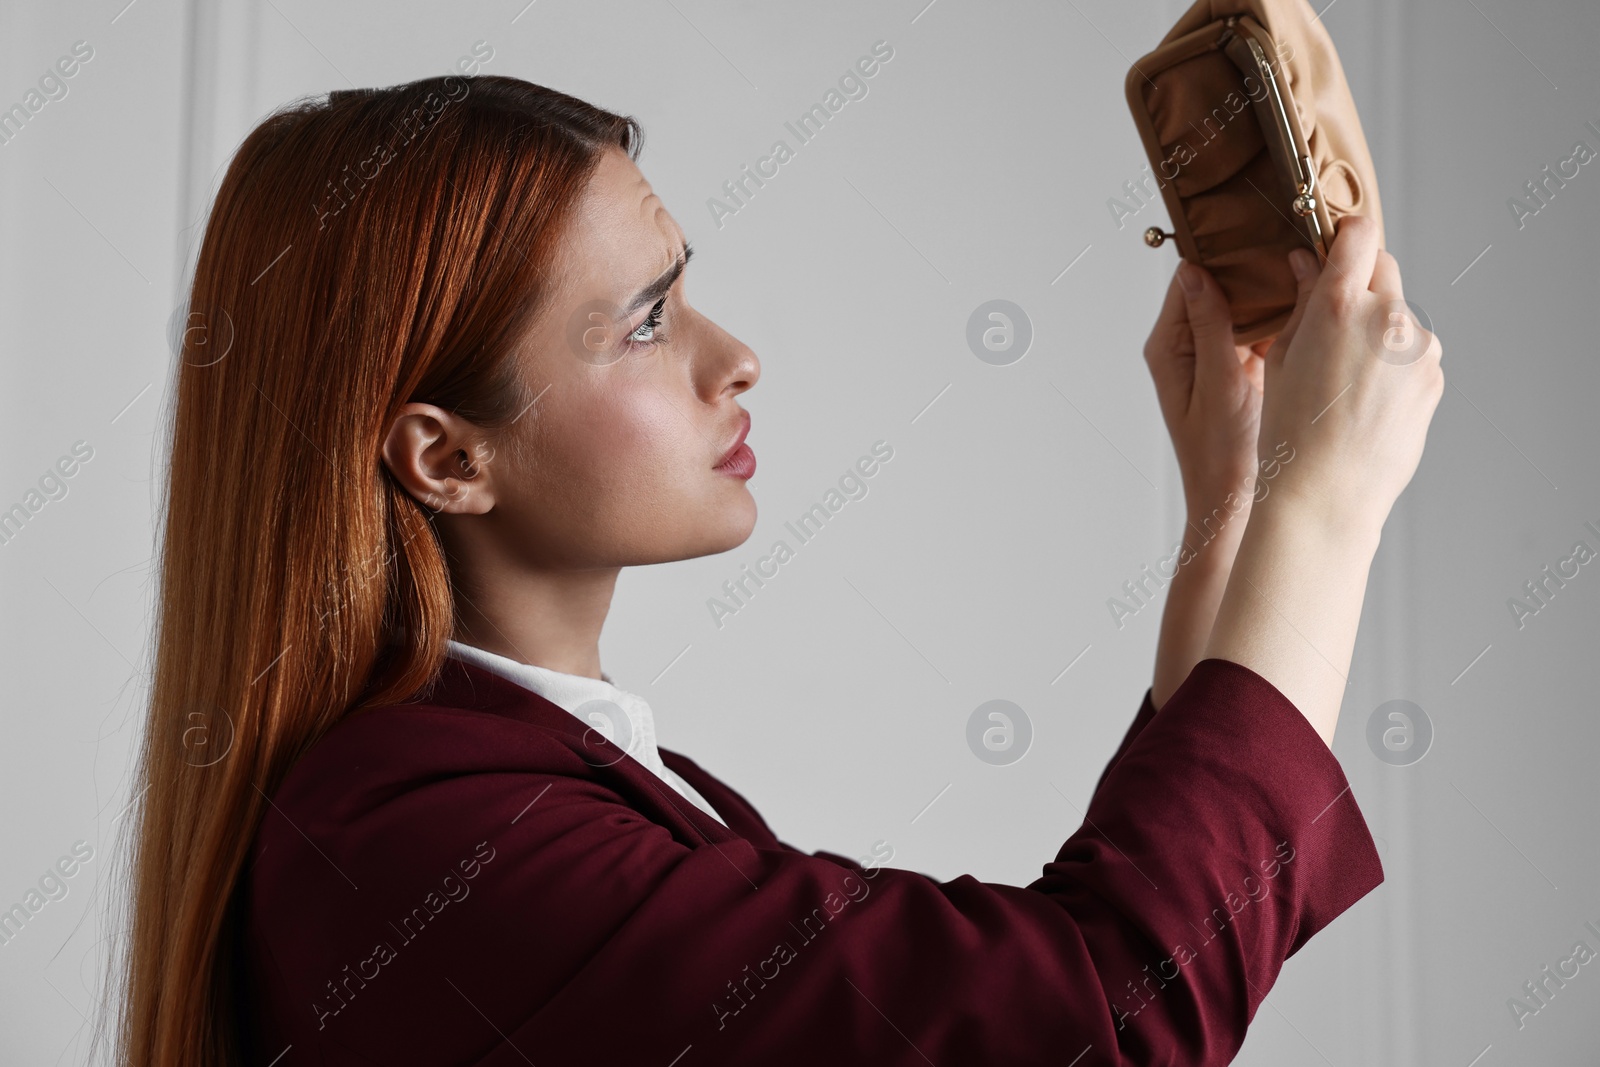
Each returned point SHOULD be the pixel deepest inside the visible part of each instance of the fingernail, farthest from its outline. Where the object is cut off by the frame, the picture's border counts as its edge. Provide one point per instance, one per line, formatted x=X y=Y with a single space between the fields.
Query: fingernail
x=1300 y=263
x=1189 y=278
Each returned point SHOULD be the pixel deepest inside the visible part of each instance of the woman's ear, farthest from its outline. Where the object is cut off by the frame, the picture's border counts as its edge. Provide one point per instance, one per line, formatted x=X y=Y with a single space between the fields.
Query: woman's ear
x=440 y=459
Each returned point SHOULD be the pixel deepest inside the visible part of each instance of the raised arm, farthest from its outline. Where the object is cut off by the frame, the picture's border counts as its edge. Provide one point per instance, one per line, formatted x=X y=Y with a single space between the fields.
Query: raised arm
x=1292 y=458
x=1210 y=392
x=1221 y=841
x=1353 y=396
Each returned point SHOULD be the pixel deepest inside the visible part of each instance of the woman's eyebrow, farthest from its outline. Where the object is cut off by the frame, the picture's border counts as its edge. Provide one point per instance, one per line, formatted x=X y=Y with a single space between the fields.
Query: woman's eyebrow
x=658 y=288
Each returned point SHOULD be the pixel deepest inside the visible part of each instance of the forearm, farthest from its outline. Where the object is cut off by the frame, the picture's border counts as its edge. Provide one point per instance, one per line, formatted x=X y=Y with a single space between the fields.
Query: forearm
x=1292 y=606
x=1191 y=608
x=1210 y=543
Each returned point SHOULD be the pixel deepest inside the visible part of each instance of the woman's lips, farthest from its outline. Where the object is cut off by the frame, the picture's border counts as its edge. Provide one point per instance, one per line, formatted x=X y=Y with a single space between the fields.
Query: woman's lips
x=741 y=463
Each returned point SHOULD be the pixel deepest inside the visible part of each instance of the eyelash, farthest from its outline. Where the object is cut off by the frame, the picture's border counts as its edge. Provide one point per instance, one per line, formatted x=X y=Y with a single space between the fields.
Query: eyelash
x=651 y=322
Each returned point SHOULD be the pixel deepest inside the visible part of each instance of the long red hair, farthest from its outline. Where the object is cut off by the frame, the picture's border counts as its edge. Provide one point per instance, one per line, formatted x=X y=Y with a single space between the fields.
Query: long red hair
x=365 y=249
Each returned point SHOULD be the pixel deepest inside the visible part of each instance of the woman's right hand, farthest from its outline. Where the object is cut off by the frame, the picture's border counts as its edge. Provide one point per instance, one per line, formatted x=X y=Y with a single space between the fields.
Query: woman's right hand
x=1355 y=413
x=1354 y=410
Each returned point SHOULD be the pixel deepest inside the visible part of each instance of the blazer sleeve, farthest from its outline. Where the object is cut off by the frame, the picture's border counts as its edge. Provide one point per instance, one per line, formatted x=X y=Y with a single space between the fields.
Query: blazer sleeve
x=1141 y=719
x=1218 y=842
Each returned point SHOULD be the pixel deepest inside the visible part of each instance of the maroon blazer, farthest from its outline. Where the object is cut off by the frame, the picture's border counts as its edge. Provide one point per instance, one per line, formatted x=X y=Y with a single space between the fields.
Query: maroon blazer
x=478 y=878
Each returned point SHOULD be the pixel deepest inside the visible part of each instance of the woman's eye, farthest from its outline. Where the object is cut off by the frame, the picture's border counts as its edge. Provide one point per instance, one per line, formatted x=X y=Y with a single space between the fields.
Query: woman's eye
x=646 y=333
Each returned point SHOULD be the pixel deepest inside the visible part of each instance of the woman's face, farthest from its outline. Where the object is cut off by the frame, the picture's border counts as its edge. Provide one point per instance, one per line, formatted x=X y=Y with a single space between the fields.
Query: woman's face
x=635 y=410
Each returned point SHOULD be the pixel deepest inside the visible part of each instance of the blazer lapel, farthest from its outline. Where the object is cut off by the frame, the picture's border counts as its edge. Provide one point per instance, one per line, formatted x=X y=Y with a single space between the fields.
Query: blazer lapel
x=743 y=819
x=465 y=685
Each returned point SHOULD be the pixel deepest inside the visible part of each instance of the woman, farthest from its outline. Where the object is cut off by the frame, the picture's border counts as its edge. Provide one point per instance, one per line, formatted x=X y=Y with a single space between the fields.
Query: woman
x=393 y=811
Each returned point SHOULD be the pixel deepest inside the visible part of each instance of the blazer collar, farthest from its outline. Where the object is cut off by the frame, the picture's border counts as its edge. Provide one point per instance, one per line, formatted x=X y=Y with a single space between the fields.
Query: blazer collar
x=460 y=684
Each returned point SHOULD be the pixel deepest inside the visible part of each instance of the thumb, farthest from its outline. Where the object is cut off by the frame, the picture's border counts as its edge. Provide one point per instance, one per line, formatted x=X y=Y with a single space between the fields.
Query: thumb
x=1306 y=272
x=1211 y=322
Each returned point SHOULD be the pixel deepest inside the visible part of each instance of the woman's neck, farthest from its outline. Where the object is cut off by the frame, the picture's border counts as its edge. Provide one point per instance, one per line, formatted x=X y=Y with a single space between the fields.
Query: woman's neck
x=548 y=619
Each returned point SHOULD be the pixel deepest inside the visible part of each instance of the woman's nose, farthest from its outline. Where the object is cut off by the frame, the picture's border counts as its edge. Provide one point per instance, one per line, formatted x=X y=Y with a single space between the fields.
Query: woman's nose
x=731 y=364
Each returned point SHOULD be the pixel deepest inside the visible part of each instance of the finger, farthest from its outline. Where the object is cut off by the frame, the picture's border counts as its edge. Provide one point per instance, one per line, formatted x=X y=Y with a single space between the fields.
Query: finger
x=1255 y=368
x=1307 y=271
x=1386 y=277
x=1352 y=255
x=1171 y=322
x=1169 y=352
x=1387 y=285
x=1211 y=321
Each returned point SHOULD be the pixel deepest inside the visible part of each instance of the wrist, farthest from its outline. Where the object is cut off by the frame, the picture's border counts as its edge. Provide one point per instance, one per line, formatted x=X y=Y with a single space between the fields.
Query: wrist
x=1293 y=603
x=1288 y=527
x=1220 y=496
x=1314 y=499
x=1211 y=539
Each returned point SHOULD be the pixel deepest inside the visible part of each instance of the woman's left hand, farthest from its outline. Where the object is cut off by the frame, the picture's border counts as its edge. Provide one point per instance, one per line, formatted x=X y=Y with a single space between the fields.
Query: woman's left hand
x=1209 y=390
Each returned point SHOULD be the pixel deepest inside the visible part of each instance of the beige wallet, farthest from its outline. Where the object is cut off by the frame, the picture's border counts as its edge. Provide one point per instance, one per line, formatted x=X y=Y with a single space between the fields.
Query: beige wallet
x=1255 y=144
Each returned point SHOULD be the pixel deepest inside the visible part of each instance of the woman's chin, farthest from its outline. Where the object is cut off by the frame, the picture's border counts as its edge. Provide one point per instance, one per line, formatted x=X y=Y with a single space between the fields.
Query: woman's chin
x=728 y=525
x=740 y=520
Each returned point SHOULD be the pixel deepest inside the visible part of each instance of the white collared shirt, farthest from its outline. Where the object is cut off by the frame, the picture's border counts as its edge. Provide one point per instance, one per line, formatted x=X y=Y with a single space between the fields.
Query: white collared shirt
x=621 y=713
